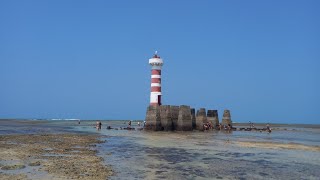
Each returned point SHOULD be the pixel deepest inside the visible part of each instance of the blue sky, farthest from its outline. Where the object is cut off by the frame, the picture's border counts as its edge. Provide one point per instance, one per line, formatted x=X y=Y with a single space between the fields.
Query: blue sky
x=89 y=59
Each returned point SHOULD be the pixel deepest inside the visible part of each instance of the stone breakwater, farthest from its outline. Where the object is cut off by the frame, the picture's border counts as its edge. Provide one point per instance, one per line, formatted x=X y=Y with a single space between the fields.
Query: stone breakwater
x=183 y=118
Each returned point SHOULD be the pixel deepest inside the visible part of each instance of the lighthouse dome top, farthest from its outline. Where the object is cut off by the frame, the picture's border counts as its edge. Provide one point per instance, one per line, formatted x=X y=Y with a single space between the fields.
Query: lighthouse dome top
x=156 y=60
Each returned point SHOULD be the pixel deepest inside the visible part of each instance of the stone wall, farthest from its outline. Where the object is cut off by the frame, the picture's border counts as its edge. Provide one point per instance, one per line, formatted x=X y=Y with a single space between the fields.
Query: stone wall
x=201 y=118
x=212 y=117
x=184 y=119
x=166 y=120
x=193 y=118
x=153 y=119
x=226 y=119
x=174 y=116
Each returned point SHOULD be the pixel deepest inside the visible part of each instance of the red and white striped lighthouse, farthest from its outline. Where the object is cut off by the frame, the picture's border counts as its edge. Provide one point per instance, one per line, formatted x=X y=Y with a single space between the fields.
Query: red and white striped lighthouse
x=155 y=96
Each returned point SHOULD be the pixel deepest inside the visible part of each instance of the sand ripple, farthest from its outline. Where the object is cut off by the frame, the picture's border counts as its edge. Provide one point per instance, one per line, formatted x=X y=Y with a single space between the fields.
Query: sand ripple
x=274 y=145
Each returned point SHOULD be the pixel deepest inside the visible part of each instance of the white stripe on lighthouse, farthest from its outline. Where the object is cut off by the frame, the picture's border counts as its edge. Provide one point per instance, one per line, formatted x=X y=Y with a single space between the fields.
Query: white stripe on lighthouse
x=155 y=76
x=155 y=84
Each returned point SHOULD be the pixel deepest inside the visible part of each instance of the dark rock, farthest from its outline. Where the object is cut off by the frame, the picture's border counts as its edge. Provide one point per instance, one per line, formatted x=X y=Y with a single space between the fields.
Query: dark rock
x=37 y=163
x=193 y=118
x=13 y=167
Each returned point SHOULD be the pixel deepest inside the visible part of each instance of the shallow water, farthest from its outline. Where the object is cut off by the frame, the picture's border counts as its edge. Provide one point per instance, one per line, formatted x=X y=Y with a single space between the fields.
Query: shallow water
x=196 y=155
x=208 y=155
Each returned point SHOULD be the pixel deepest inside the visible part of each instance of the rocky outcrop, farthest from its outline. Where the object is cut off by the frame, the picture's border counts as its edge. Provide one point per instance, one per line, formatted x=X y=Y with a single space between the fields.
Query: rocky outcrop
x=226 y=119
x=184 y=119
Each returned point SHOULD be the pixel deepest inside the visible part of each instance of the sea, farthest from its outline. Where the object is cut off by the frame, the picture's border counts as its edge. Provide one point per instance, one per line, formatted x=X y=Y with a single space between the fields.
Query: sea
x=288 y=152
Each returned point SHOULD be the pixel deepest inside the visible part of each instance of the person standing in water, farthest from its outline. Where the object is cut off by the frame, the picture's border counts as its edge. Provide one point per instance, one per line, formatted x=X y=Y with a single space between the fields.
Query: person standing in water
x=97 y=125
x=268 y=128
x=100 y=125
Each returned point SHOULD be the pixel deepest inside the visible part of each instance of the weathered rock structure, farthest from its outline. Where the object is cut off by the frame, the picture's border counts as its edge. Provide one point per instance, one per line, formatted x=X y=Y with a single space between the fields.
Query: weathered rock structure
x=212 y=116
x=153 y=119
x=183 y=118
x=165 y=116
x=201 y=118
x=174 y=116
x=226 y=119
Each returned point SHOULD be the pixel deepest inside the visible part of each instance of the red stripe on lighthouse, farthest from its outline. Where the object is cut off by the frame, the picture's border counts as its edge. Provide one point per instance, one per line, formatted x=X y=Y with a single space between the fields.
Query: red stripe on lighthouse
x=155 y=89
x=156 y=72
x=155 y=80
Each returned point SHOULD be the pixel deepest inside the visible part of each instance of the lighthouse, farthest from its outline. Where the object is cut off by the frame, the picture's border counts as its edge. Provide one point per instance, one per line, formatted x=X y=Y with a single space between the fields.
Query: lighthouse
x=155 y=95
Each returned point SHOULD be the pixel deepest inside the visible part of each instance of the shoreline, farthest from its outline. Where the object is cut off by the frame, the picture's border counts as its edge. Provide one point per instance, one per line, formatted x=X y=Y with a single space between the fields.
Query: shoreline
x=280 y=124
x=52 y=156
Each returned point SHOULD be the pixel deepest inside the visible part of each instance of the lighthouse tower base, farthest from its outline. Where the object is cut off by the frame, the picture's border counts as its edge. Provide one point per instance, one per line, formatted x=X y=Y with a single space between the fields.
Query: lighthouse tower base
x=153 y=119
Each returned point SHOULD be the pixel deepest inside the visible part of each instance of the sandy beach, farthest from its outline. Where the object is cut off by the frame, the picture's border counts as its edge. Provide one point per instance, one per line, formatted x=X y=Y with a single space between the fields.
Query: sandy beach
x=51 y=156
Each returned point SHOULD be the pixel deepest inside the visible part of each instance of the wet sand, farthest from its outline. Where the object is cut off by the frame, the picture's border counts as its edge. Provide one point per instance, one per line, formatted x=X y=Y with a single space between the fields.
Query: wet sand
x=274 y=145
x=51 y=156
